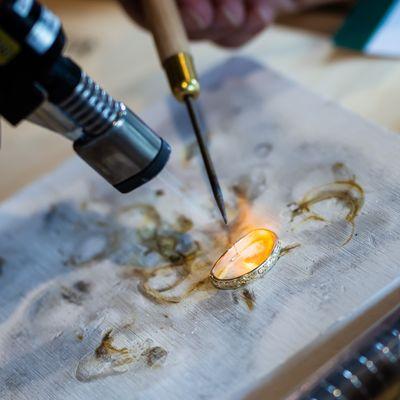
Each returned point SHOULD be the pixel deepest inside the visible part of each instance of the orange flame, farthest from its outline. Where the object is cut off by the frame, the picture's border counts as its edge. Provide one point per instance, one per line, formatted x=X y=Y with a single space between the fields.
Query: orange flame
x=248 y=219
x=251 y=243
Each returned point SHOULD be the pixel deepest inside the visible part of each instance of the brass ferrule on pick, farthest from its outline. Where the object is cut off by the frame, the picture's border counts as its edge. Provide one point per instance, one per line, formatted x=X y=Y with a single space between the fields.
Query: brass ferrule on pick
x=182 y=76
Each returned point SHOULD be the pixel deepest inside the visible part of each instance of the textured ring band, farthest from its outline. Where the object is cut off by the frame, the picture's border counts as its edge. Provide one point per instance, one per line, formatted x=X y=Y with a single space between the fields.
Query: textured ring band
x=234 y=282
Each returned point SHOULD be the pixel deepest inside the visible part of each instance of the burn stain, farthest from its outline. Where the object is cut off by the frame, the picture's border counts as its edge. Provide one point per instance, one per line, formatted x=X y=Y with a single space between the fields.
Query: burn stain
x=79 y=336
x=315 y=217
x=342 y=172
x=159 y=192
x=184 y=224
x=70 y=296
x=183 y=264
x=77 y=293
x=95 y=249
x=82 y=286
x=172 y=245
x=235 y=297
x=263 y=150
x=155 y=356
x=91 y=237
x=345 y=190
x=288 y=249
x=158 y=295
x=106 y=360
x=110 y=359
x=106 y=349
x=249 y=298
x=163 y=295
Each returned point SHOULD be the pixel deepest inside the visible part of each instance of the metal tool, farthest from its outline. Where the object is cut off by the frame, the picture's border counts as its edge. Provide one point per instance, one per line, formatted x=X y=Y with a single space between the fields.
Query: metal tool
x=368 y=369
x=173 y=50
x=38 y=83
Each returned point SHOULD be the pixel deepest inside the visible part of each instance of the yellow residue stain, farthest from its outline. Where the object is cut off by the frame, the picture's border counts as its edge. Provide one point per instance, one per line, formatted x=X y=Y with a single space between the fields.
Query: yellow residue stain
x=109 y=359
x=287 y=249
x=106 y=350
x=347 y=192
x=249 y=298
x=79 y=336
x=155 y=356
x=184 y=265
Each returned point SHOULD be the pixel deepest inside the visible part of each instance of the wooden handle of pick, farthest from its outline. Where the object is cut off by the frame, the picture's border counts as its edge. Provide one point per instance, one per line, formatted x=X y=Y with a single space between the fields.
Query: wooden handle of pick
x=167 y=27
x=172 y=45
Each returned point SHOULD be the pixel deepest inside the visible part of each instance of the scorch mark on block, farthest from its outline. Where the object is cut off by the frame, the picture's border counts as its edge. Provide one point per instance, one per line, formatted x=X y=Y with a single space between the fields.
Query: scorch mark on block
x=344 y=190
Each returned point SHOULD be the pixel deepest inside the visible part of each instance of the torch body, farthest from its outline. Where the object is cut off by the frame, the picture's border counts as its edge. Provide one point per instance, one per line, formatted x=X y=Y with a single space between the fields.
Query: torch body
x=38 y=83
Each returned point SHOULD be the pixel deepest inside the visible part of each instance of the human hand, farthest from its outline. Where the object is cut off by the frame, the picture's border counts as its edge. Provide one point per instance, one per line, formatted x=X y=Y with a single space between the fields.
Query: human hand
x=229 y=23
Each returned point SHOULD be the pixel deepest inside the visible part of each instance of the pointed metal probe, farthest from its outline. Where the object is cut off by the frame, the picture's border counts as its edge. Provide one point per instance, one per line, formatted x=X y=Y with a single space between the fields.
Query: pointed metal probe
x=166 y=25
x=212 y=176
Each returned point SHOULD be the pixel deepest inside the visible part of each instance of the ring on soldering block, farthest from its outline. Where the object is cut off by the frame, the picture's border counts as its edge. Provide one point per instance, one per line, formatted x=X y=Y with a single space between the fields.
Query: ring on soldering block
x=247 y=259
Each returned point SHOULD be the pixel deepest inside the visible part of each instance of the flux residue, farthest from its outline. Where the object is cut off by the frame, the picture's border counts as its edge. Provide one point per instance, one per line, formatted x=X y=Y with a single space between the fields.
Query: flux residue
x=183 y=265
x=344 y=189
x=249 y=298
x=110 y=358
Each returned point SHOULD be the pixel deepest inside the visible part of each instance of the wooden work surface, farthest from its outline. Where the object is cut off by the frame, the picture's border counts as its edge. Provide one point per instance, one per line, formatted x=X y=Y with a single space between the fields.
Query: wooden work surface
x=121 y=57
x=106 y=295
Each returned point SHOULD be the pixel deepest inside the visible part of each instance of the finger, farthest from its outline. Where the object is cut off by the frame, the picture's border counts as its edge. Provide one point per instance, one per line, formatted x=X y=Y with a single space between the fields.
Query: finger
x=229 y=15
x=260 y=14
x=134 y=10
x=283 y=6
x=197 y=15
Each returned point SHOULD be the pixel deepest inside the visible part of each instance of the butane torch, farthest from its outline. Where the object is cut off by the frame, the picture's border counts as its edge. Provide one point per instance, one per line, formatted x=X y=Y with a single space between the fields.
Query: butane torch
x=172 y=45
x=39 y=84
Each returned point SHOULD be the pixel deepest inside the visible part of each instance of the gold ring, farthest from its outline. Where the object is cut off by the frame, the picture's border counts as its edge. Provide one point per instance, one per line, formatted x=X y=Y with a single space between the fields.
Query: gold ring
x=248 y=259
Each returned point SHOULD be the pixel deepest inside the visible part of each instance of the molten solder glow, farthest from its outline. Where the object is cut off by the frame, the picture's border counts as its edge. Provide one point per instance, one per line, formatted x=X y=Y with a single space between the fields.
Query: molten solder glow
x=245 y=255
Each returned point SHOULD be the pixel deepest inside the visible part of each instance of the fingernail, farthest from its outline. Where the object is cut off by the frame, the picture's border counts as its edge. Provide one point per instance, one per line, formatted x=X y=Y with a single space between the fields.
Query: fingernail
x=265 y=13
x=233 y=12
x=195 y=20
